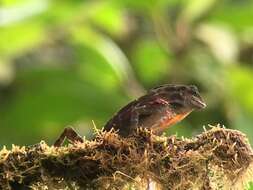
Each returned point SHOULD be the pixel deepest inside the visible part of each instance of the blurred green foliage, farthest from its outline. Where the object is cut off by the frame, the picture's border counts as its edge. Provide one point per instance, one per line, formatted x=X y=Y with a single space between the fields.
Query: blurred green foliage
x=71 y=62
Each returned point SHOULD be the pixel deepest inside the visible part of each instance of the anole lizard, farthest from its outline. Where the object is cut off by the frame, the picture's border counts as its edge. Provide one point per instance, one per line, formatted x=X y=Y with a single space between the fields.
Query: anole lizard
x=159 y=109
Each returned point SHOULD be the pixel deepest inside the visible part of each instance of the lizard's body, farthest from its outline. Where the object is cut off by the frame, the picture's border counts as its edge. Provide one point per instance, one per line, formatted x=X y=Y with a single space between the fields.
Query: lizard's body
x=160 y=108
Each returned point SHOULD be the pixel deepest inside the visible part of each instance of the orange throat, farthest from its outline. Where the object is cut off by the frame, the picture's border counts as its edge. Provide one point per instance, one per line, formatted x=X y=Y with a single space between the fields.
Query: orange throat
x=169 y=122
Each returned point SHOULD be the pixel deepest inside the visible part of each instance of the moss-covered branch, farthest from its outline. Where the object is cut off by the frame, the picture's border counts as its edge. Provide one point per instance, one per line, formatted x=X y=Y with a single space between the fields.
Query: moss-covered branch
x=217 y=158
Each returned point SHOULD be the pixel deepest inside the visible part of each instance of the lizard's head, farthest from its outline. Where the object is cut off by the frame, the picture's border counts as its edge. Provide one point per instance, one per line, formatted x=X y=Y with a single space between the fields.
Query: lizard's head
x=193 y=97
x=181 y=97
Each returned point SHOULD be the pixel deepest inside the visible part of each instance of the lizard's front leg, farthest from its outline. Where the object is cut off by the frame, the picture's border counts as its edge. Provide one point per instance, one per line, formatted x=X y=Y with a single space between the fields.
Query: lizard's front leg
x=127 y=128
x=139 y=111
x=146 y=109
x=70 y=134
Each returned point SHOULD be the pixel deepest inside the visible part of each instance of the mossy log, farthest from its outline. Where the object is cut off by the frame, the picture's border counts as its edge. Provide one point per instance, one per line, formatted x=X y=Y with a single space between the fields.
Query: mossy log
x=218 y=158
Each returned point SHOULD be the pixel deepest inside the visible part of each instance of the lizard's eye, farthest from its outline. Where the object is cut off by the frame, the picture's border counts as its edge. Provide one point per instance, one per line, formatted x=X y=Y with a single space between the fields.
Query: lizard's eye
x=193 y=88
x=183 y=88
x=176 y=97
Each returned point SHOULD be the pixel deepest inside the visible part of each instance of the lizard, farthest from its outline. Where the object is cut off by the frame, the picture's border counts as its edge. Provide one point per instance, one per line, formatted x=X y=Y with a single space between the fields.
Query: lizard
x=160 y=108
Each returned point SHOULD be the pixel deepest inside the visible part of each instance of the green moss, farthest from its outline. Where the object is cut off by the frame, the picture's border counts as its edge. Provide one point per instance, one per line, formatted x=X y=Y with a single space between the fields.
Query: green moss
x=217 y=158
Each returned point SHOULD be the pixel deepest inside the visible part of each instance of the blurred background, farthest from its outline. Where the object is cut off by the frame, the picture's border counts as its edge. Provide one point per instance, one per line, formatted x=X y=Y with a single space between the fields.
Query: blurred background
x=73 y=62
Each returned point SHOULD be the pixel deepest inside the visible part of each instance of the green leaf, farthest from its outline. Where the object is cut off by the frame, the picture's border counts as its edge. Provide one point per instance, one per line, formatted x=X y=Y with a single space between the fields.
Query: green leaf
x=19 y=38
x=240 y=80
x=237 y=14
x=150 y=61
x=108 y=50
x=194 y=9
x=53 y=98
x=110 y=17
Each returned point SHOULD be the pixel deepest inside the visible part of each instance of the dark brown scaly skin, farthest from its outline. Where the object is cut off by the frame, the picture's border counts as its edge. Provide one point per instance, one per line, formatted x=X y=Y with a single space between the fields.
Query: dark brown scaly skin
x=160 y=108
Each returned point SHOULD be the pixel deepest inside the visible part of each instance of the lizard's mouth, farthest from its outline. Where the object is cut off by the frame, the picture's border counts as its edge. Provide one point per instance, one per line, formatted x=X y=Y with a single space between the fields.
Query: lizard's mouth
x=197 y=102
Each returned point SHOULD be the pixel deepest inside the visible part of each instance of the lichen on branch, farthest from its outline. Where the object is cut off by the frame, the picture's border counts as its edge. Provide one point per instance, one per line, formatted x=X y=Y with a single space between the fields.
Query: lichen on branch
x=218 y=158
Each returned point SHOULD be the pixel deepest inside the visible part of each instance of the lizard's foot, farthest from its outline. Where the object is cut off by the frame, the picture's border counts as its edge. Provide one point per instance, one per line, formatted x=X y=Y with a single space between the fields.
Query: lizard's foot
x=70 y=134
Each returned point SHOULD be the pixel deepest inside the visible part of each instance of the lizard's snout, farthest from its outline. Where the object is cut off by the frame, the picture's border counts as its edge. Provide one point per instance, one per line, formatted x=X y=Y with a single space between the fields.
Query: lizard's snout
x=197 y=102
